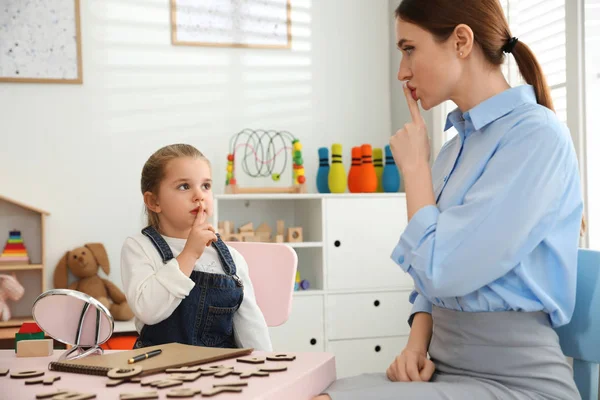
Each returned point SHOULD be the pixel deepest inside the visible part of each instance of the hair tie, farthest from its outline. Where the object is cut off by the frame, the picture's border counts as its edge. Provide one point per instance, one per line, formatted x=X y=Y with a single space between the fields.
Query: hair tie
x=510 y=45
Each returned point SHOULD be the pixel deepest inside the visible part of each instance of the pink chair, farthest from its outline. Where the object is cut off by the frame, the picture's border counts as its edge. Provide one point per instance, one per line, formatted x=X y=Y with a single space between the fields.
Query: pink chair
x=273 y=273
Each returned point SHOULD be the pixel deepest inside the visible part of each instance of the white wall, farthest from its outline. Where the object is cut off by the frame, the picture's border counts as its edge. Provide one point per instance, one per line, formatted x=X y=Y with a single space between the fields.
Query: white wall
x=77 y=150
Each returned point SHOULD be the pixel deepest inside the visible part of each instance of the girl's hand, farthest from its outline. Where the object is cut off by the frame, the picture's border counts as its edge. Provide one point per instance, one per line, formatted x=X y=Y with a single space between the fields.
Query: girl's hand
x=200 y=237
x=410 y=145
x=411 y=366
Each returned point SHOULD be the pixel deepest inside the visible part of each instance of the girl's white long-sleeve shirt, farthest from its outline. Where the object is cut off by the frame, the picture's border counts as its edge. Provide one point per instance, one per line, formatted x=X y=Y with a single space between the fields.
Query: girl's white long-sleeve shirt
x=154 y=289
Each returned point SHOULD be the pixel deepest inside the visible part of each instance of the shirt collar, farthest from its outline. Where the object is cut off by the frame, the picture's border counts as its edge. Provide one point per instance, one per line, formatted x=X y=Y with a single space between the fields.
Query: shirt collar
x=491 y=109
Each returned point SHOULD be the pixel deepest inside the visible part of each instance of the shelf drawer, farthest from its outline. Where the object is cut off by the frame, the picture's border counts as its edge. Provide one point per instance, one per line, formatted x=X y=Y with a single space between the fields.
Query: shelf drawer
x=363 y=356
x=364 y=315
x=303 y=331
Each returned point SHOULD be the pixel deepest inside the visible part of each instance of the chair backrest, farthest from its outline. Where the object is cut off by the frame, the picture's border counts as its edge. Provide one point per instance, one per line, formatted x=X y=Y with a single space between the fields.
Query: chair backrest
x=273 y=274
x=580 y=338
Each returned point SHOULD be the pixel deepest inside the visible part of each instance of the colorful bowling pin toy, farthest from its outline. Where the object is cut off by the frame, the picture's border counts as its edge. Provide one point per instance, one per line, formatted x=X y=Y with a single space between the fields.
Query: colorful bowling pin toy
x=391 y=177
x=368 y=176
x=323 y=171
x=378 y=164
x=354 y=173
x=337 y=174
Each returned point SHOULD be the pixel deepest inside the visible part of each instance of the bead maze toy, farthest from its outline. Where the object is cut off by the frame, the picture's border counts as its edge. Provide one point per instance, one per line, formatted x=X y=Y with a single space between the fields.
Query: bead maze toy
x=259 y=153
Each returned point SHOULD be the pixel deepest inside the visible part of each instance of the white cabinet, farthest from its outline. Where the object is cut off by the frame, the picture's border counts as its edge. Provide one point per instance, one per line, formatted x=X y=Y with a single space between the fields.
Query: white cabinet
x=357 y=305
x=303 y=331
x=363 y=356
x=360 y=236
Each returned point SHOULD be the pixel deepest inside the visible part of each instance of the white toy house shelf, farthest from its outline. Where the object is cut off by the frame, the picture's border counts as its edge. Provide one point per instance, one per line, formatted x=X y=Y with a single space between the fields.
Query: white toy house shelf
x=28 y=224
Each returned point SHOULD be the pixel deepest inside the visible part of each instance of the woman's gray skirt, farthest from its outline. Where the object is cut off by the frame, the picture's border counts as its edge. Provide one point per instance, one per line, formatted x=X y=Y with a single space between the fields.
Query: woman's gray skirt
x=484 y=355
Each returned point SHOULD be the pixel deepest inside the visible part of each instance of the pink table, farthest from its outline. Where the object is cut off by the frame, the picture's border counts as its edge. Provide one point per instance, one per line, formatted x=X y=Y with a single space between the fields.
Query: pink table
x=304 y=378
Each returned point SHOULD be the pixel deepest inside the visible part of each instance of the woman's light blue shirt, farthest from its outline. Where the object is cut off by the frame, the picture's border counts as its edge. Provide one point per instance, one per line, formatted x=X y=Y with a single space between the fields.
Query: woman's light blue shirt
x=505 y=232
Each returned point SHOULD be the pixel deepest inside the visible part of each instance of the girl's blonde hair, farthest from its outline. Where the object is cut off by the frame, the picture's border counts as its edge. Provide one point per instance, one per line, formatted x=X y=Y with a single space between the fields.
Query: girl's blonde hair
x=154 y=170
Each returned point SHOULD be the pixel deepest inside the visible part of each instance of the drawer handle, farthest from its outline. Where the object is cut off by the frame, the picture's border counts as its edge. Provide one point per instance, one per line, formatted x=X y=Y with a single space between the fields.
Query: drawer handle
x=313 y=341
x=377 y=348
x=376 y=303
x=337 y=243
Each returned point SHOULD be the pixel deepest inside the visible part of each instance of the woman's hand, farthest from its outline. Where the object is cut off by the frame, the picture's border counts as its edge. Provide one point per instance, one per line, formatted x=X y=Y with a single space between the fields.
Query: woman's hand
x=410 y=145
x=411 y=366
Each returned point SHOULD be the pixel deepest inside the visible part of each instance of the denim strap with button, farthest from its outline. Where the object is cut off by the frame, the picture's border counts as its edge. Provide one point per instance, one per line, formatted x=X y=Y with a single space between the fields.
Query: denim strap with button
x=159 y=242
x=226 y=260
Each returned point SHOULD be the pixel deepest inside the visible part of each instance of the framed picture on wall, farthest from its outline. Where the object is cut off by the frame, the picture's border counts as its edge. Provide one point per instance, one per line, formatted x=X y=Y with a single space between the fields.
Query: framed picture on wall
x=40 y=41
x=231 y=23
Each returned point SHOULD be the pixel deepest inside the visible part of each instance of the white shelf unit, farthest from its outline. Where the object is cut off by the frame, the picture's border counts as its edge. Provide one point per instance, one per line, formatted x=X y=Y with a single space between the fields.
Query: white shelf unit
x=357 y=305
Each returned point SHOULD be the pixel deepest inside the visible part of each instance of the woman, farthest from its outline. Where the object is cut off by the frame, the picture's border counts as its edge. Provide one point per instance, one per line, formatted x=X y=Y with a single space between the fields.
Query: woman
x=493 y=230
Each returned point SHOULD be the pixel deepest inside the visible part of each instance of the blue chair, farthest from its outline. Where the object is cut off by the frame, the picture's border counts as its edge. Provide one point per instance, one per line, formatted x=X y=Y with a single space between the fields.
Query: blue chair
x=580 y=338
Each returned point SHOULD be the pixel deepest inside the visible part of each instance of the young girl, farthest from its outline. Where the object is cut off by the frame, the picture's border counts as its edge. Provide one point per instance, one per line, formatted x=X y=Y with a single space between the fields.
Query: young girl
x=492 y=238
x=183 y=283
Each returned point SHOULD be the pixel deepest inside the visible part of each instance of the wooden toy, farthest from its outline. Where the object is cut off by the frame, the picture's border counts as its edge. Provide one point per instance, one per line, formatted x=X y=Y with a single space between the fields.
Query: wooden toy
x=249 y=227
x=280 y=227
x=117 y=382
x=184 y=370
x=35 y=348
x=46 y=381
x=183 y=393
x=294 y=234
x=252 y=360
x=277 y=368
x=262 y=152
x=4 y=371
x=354 y=183
x=28 y=331
x=279 y=239
x=323 y=171
x=378 y=164
x=139 y=396
x=236 y=383
x=367 y=176
x=221 y=389
x=26 y=374
x=337 y=174
x=66 y=395
x=281 y=357
x=14 y=251
x=119 y=373
x=186 y=377
x=249 y=374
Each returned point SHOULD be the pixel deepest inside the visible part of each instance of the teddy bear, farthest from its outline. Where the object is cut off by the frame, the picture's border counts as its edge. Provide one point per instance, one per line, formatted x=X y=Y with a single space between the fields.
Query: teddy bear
x=84 y=262
x=10 y=289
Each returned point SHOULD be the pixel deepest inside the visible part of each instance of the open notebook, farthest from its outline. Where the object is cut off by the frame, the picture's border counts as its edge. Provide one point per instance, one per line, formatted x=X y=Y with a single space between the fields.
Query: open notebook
x=173 y=355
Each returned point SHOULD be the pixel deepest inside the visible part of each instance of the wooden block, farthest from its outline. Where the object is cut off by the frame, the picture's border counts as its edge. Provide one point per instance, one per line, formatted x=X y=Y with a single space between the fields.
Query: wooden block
x=249 y=227
x=46 y=381
x=281 y=227
x=4 y=371
x=35 y=348
x=139 y=396
x=120 y=373
x=294 y=234
x=186 y=377
x=165 y=383
x=222 y=389
x=250 y=237
x=281 y=357
x=279 y=239
x=73 y=395
x=236 y=383
x=184 y=370
x=246 y=235
x=251 y=360
x=234 y=237
x=249 y=374
x=274 y=368
x=183 y=393
x=26 y=374
x=225 y=228
x=263 y=237
x=264 y=228
x=50 y=395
